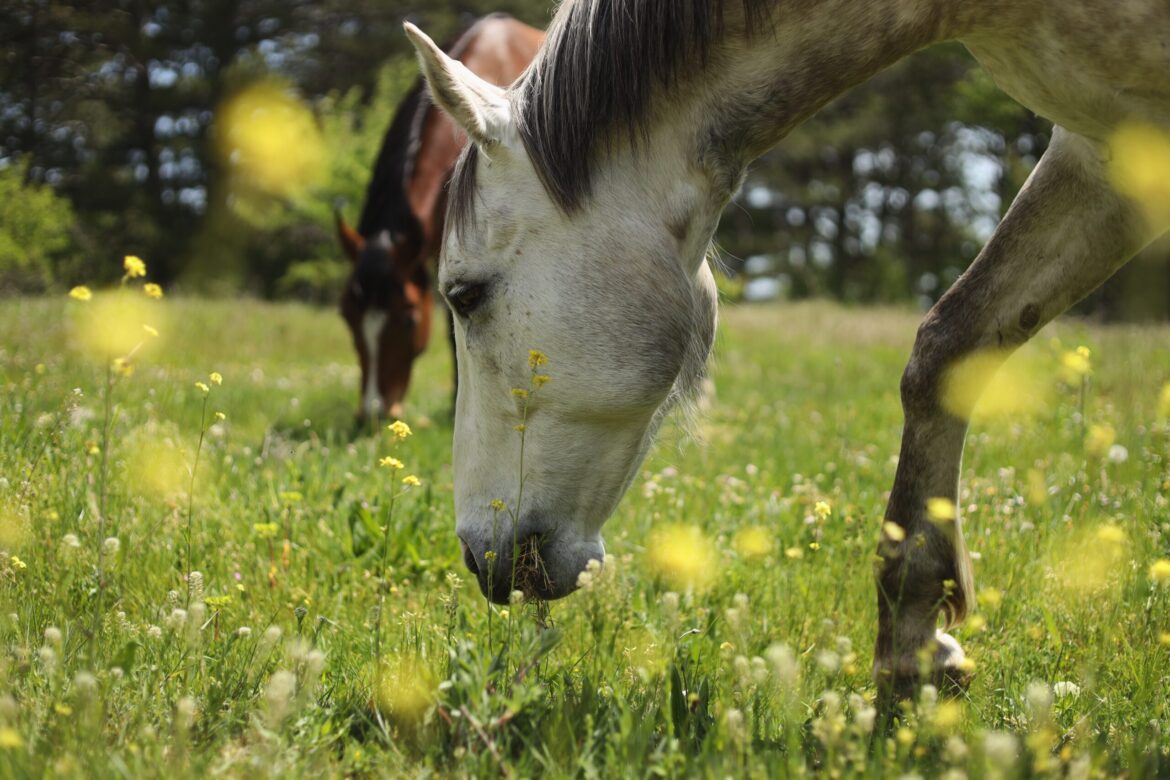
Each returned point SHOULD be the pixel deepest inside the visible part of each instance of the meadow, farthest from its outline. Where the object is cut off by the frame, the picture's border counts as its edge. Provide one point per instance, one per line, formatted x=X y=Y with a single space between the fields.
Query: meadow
x=256 y=592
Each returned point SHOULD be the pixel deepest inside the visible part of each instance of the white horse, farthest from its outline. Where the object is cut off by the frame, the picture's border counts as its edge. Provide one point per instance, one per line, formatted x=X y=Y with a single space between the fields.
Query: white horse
x=583 y=210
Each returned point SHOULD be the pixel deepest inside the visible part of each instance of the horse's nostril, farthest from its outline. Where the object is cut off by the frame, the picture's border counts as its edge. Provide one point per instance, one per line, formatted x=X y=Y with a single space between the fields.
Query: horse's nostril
x=469 y=559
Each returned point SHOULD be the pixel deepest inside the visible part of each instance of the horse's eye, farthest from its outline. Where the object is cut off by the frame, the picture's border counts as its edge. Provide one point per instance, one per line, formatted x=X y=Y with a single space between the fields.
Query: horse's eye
x=464 y=298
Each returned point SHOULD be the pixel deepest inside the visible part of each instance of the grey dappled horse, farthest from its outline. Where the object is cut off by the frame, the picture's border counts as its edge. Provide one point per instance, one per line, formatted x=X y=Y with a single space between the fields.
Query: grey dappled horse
x=582 y=213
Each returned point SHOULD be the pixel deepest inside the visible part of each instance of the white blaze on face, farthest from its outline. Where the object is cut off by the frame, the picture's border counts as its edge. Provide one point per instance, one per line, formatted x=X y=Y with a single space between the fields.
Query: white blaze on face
x=372 y=324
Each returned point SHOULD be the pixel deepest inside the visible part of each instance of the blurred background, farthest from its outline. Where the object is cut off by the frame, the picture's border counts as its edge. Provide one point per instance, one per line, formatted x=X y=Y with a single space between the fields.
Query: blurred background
x=114 y=140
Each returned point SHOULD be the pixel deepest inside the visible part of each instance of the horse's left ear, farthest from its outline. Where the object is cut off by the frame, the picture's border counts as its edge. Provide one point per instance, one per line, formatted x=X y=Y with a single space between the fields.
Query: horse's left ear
x=351 y=243
x=476 y=106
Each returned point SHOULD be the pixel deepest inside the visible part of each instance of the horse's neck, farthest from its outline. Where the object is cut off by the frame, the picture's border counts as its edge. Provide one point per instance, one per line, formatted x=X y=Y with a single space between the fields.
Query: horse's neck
x=763 y=84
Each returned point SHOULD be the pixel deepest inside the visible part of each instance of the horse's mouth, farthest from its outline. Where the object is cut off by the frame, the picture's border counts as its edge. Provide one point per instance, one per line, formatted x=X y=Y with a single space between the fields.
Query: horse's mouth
x=528 y=576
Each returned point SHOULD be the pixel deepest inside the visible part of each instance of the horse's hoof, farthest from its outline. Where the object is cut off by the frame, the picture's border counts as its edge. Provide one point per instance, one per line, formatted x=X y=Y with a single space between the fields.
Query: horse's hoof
x=948 y=670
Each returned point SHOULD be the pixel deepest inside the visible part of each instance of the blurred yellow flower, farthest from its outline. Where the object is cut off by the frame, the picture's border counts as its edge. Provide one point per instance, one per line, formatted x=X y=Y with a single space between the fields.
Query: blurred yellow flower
x=519 y=392
x=202 y=387
x=1164 y=402
x=987 y=385
x=265 y=530
x=133 y=266
x=216 y=378
x=682 y=556
x=152 y=290
x=410 y=480
x=17 y=563
x=540 y=380
x=1160 y=571
x=990 y=597
x=220 y=416
x=1099 y=439
x=150 y=331
x=498 y=505
x=536 y=359
x=795 y=553
x=1037 y=488
x=893 y=531
x=1139 y=168
x=1111 y=534
x=10 y=738
x=81 y=293
x=822 y=509
x=1076 y=364
x=941 y=510
x=753 y=541
x=406 y=689
x=269 y=141
x=400 y=429
x=112 y=326
x=391 y=462
x=122 y=367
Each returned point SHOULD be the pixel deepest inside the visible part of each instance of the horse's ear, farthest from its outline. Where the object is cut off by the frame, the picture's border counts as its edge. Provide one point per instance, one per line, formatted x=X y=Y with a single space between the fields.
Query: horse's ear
x=476 y=105
x=351 y=242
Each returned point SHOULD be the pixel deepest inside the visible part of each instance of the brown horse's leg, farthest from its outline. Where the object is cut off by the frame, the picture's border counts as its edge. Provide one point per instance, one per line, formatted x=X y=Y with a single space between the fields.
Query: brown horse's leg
x=1065 y=234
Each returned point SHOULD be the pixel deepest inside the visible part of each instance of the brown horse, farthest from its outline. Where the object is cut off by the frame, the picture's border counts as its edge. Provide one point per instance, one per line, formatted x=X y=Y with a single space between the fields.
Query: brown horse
x=388 y=298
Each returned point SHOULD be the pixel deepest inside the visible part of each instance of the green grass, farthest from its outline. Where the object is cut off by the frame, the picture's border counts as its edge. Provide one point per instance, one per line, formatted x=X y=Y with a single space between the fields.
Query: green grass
x=623 y=679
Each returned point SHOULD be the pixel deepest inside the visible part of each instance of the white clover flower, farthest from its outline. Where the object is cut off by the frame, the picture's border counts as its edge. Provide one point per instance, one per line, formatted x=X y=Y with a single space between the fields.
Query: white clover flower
x=243 y=632
x=864 y=718
x=111 y=546
x=1065 y=688
x=71 y=540
x=829 y=661
x=153 y=632
x=52 y=635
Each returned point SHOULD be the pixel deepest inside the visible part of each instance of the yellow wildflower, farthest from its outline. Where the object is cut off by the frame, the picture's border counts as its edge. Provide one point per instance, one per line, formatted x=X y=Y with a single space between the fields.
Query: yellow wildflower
x=893 y=531
x=265 y=530
x=498 y=505
x=1164 y=638
x=216 y=378
x=540 y=380
x=1076 y=362
x=133 y=266
x=990 y=597
x=822 y=510
x=1111 y=534
x=536 y=359
x=1139 y=167
x=202 y=387
x=18 y=564
x=794 y=553
x=1160 y=571
x=941 y=510
x=400 y=429
x=10 y=738
x=520 y=427
x=410 y=480
x=123 y=367
x=519 y=392
x=150 y=331
x=220 y=416
x=80 y=293
x=1099 y=439
x=681 y=555
x=217 y=602
x=753 y=542
x=152 y=290
x=391 y=462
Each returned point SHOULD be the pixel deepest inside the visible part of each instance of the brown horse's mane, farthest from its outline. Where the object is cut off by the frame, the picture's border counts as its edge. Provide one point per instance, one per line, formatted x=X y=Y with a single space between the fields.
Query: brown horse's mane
x=387 y=205
x=593 y=80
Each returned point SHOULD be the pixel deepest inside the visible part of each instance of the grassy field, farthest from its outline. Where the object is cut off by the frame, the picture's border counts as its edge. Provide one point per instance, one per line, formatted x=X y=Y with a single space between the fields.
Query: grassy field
x=278 y=614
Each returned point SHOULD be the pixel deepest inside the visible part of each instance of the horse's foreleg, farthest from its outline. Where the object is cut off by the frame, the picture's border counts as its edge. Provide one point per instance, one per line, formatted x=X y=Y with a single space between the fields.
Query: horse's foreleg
x=1064 y=235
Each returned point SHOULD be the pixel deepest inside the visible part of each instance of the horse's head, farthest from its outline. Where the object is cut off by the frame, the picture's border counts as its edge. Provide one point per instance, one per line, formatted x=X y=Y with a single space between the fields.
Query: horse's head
x=386 y=304
x=615 y=291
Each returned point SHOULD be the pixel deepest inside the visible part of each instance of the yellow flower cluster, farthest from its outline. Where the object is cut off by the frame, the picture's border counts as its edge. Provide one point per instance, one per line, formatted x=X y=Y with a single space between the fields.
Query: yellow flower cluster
x=391 y=462
x=400 y=429
x=133 y=266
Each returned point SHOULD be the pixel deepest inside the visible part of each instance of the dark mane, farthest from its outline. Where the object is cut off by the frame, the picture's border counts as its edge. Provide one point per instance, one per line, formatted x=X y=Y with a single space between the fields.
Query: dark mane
x=387 y=206
x=593 y=80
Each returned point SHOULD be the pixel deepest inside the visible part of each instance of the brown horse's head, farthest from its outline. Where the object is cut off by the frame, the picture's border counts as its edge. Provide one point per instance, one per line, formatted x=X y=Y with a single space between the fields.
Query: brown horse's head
x=387 y=305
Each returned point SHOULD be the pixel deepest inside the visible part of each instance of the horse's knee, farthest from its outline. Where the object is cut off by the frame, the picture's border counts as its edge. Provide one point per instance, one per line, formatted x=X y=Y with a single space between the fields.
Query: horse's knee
x=934 y=348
